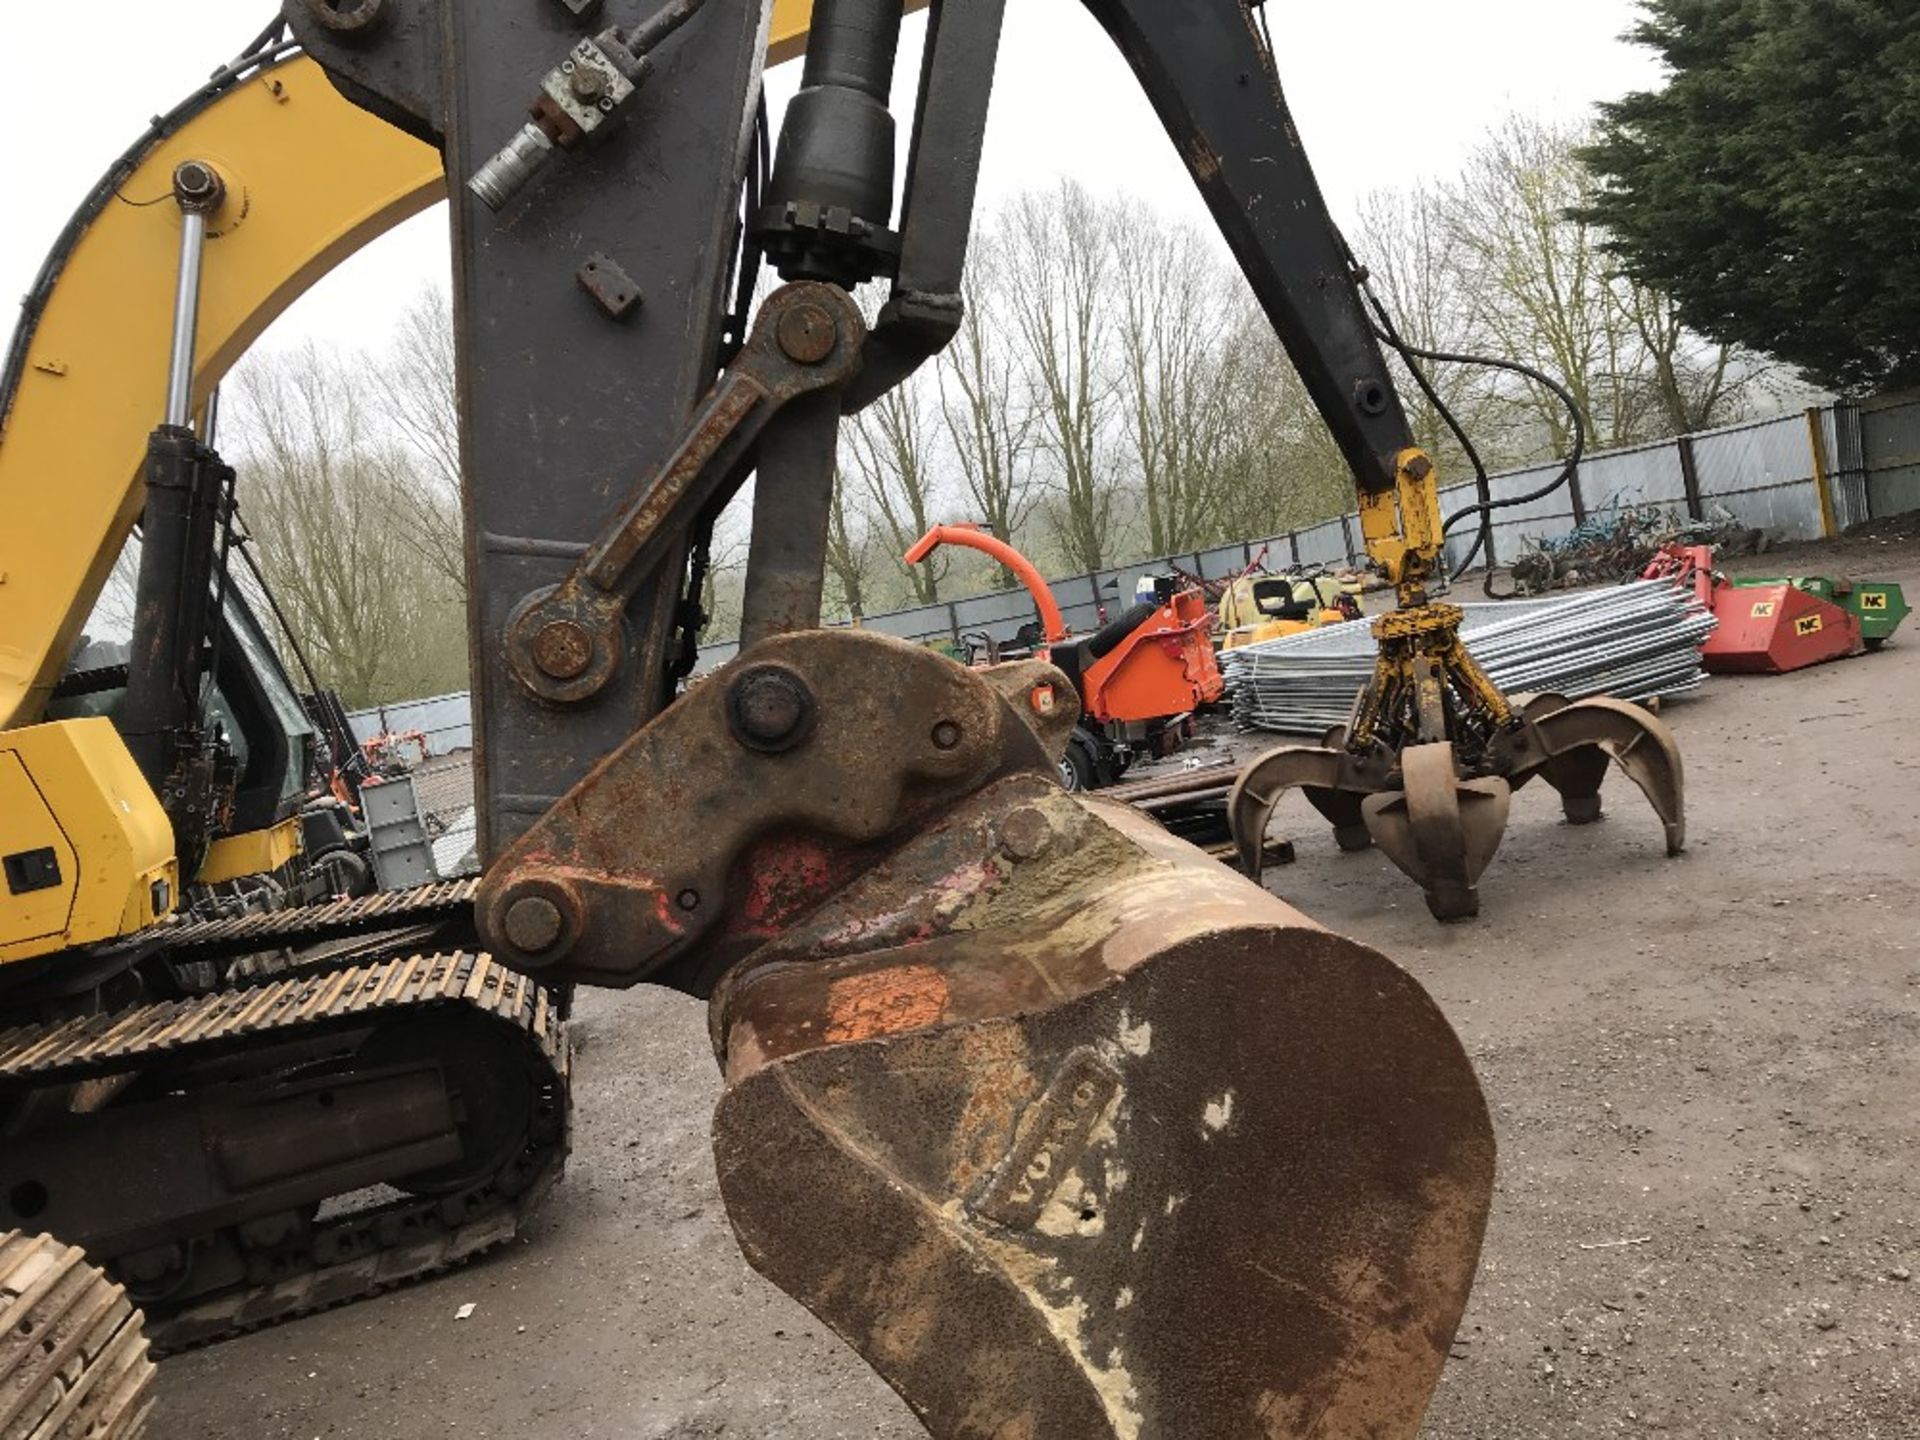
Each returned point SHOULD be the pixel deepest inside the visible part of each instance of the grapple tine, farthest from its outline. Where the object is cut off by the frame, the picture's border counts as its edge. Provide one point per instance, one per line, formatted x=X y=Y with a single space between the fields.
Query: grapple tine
x=1570 y=744
x=1323 y=773
x=1440 y=830
x=1122 y=1146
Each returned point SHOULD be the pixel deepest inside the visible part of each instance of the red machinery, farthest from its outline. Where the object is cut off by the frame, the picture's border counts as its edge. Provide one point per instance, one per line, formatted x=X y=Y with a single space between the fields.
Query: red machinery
x=1768 y=628
x=1140 y=677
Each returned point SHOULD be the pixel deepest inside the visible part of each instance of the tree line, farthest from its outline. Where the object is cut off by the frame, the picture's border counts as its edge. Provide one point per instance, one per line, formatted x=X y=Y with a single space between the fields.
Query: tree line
x=1114 y=394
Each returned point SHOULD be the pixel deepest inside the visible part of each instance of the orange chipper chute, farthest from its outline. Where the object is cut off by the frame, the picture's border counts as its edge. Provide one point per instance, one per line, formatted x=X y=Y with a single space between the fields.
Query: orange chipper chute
x=973 y=537
x=1153 y=662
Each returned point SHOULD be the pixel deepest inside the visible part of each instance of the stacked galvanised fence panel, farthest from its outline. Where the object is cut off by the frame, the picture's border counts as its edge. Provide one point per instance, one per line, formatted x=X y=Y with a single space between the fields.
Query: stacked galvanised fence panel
x=1630 y=641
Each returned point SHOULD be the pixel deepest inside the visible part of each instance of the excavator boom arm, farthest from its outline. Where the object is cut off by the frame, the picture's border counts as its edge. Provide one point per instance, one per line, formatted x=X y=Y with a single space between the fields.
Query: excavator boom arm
x=309 y=179
x=1008 y=1072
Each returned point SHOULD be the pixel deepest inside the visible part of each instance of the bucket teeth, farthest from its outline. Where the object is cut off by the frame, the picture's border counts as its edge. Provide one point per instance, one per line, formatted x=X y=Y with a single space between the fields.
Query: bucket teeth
x=1151 y=1157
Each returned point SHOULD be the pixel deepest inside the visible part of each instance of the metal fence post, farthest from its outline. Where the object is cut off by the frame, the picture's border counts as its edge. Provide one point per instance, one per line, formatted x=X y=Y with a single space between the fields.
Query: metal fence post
x=1575 y=495
x=1690 y=476
x=953 y=623
x=1346 y=536
x=1293 y=545
x=1817 y=444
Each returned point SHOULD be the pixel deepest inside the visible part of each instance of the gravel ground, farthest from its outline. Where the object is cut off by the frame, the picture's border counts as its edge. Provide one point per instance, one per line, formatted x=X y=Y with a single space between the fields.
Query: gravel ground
x=1705 y=1075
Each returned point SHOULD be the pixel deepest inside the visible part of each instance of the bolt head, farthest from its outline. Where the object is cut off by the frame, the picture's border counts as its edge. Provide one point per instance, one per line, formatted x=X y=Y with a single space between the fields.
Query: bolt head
x=587 y=82
x=194 y=179
x=197 y=187
x=770 y=708
x=533 y=924
x=946 y=735
x=806 y=333
x=1024 y=833
x=346 y=17
x=563 y=649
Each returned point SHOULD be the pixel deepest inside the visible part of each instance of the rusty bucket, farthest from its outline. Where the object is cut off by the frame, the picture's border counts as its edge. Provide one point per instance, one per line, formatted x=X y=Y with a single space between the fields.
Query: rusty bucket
x=1071 y=1132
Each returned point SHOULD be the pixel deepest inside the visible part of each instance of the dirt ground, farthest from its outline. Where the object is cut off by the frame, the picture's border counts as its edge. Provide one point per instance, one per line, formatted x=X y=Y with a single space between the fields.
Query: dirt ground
x=1705 y=1075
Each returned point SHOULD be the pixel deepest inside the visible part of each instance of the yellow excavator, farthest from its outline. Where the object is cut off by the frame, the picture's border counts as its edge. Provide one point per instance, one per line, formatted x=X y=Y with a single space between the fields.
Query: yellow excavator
x=1068 y=1130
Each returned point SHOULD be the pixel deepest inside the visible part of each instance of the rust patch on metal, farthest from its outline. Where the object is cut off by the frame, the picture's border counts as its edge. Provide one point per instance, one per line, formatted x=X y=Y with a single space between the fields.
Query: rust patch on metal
x=891 y=1002
x=1052 y=1142
x=1202 y=160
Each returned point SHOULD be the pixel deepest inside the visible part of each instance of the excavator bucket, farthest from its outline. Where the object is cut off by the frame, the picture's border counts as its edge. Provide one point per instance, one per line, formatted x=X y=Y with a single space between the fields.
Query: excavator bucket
x=1072 y=1132
x=1118 y=1145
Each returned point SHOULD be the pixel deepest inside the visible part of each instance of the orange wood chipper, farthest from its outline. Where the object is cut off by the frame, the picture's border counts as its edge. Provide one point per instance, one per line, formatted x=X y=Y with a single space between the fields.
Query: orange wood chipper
x=1140 y=676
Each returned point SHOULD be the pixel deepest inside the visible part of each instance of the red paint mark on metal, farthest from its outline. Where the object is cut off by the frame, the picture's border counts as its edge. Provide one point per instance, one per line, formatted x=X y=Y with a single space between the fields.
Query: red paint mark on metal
x=786 y=877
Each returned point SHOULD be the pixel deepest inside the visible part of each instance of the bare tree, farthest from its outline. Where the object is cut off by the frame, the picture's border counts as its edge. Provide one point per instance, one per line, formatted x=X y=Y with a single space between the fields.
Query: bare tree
x=1280 y=469
x=1181 y=372
x=1058 y=292
x=849 y=553
x=888 y=450
x=724 y=591
x=1416 y=264
x=989 y=421
x=1539 y=280
x=418 y=383
x=1692 y=384
x=321 y=492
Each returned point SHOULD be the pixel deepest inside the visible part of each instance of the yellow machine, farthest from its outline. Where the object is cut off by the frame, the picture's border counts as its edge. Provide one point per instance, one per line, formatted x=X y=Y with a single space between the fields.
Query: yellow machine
x=110 y=827
x=99 y=867
x=306 y=179
x=1266 y=607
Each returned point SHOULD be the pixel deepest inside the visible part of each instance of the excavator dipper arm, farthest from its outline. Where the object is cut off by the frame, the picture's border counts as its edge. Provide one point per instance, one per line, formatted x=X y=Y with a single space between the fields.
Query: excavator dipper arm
x=1071 y=1132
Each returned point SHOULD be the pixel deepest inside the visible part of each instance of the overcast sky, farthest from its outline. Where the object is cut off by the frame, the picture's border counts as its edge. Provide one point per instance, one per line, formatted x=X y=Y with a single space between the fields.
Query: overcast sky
x=1385 y=92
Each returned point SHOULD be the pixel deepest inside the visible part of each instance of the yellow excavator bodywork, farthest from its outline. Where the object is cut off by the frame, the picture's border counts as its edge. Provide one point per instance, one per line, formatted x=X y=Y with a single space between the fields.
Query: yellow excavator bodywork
x=88 y=850
x=310 y=179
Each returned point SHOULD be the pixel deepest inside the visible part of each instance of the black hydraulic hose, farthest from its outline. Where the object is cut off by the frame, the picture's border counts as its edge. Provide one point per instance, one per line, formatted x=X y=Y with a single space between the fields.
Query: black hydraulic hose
x=274 y=33
x=1390 y=333
x=662 y=23
x=273 y=604
x=748 y=255
x=1485 y=505
x=1560 y=392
